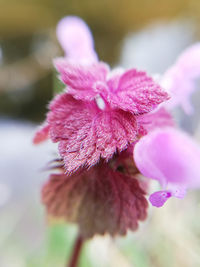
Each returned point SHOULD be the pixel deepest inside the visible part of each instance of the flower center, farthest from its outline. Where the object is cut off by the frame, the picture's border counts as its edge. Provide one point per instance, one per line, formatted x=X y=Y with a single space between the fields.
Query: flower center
x=100 y=87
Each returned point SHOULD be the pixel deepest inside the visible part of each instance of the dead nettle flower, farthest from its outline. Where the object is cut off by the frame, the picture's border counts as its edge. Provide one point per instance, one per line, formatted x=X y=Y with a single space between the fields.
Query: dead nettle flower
x=110 y=129
x=96 y=121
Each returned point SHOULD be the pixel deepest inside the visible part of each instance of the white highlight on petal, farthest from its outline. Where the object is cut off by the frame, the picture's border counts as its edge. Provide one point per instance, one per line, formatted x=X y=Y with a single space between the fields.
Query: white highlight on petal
x=100 y=102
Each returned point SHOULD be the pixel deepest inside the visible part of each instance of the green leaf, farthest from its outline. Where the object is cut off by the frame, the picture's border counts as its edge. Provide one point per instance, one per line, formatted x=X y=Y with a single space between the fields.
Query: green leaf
x=58 y=86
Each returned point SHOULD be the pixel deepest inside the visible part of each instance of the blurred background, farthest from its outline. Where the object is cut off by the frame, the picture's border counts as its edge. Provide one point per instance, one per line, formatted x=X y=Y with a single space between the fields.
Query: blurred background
x=147 y=34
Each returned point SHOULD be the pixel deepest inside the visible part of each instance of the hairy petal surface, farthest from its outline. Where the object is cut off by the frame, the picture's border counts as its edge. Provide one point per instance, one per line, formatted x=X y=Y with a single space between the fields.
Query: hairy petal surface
x=179 y=80
x=86 y=133
x=81 y=79
x=76 y=40
x=171 y=157
x=67 y=116
x=136 y=93
x=99 y=200
x=113 y=78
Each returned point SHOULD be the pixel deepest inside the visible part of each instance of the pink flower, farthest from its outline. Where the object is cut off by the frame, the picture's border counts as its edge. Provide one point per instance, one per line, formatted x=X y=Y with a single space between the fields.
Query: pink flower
x=96 y=121
x=76 y=40
x=179 y=80
x=99 y=113
x=172 y=158
x=166 y=154
x=101 y=117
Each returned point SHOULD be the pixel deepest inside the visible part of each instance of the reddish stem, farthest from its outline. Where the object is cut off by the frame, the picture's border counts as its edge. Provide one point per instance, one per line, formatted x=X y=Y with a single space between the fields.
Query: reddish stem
x=76 y=252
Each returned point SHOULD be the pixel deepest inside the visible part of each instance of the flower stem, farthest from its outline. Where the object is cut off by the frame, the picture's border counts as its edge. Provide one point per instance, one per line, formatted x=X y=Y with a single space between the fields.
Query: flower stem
x=73 y=262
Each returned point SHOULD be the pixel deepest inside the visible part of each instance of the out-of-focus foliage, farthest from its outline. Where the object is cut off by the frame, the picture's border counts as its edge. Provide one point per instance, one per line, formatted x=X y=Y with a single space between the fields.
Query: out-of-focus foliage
x=109 y=19
x=28 y=42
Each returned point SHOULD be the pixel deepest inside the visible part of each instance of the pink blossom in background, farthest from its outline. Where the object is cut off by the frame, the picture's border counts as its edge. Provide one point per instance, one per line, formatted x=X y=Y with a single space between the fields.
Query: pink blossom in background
x=172 y=158
x=179 y=80
x=169 y=155
x=76 y=40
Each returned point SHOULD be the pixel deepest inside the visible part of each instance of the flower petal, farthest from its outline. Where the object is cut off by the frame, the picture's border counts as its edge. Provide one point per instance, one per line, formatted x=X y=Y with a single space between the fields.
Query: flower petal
x=87 y=133
x=76 y=40
x=171 y=157
x=137 y=93
x=42 y=134
x=158 y=118
x=159 y=198
x=179 y=80
x=99 y=200
x=81 y=79
x=114 y=78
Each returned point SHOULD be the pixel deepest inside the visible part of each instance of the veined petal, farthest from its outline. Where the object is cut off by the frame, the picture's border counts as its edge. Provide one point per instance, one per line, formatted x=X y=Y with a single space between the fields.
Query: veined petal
x=81 y=79
x=87 y=133
x=137 y=93
x=76 y=40
x=171 y=157
x=179 y=80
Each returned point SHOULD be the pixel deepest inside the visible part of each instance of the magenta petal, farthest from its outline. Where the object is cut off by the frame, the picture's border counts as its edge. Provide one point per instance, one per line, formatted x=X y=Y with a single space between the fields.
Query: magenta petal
x=42 y=134
x=99 y=138
x=179 y=80
x=158 y=118
x=114 y=78
x=87 y=134
x=76 y=39
x=81 y=79
x=137 y=93
x=171 y=157
x=159 y=198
